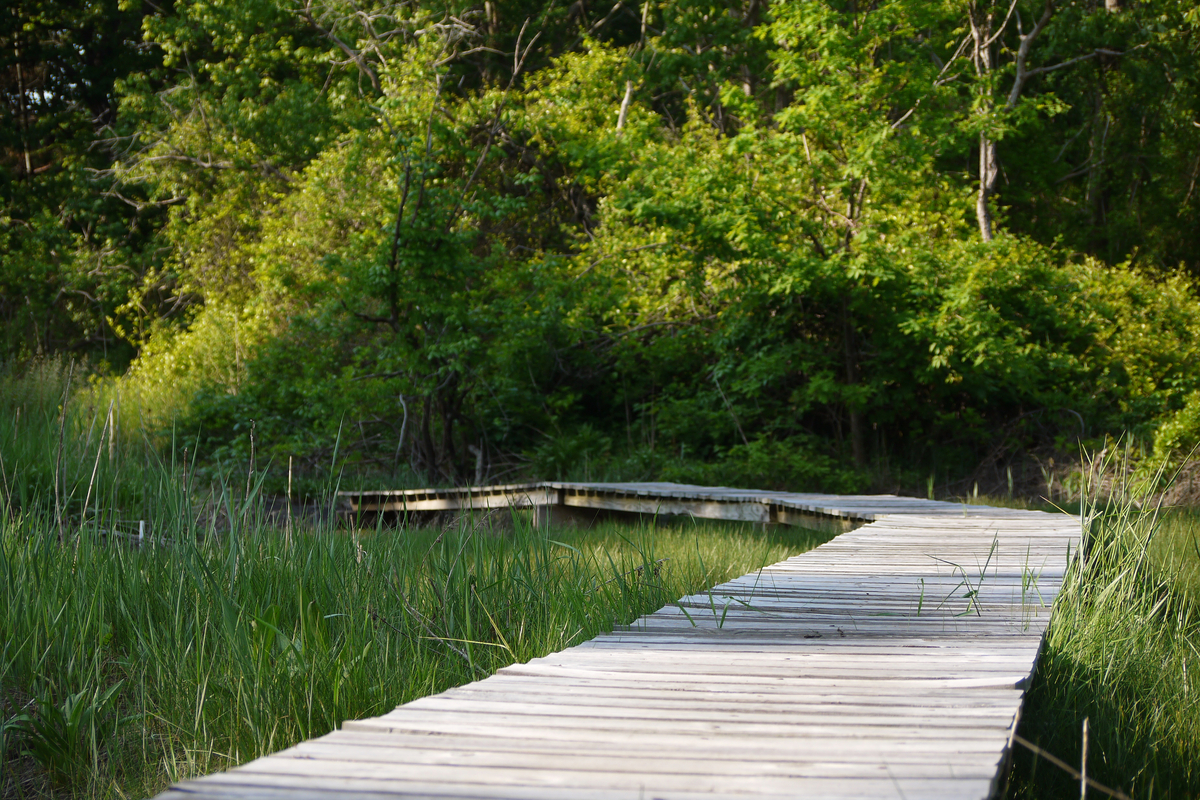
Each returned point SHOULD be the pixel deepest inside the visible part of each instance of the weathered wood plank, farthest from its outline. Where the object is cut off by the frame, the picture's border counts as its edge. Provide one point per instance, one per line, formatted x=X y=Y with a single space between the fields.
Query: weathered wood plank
x=694 y=748
x=271 y=787
x=340 y=773
x=969 y=765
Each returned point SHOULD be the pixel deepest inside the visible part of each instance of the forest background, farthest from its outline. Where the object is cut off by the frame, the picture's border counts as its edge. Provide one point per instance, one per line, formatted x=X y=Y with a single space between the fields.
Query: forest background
x=915 y=245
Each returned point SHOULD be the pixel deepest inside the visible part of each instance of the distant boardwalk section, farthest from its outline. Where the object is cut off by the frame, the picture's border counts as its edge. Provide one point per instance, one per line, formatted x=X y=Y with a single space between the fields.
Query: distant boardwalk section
x=889 y=662
x=569 y=502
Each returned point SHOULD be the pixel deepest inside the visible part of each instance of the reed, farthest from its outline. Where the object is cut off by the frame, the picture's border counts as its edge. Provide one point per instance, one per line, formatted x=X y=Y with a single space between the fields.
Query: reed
x=1123 y=652
x=125 y=667
x=169 y=630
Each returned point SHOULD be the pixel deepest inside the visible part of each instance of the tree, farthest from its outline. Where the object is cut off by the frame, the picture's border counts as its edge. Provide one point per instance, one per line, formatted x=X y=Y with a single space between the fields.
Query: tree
x=68 y=248
x=989 y=24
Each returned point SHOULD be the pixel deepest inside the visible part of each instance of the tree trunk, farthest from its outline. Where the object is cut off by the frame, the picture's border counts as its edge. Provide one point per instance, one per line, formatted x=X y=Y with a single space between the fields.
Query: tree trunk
x=982 y=56
x=1096 y=148
x=24 y=117
x=450 y=453
x=989 y=170
x=986 y=28
x=624 y=106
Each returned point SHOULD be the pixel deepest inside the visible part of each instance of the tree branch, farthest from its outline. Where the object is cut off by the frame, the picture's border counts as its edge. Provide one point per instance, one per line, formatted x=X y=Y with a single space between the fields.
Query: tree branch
x=494 y=128
x=1100 y=51
x=1003 y=25
x=353 y=54
x=1023 y=54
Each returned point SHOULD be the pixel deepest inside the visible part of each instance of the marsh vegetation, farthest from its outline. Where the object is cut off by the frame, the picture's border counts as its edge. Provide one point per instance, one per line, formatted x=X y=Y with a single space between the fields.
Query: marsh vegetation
x=220 y=635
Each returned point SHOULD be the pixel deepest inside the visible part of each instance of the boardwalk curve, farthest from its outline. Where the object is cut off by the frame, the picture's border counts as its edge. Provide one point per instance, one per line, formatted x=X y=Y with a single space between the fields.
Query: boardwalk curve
x=889 y=662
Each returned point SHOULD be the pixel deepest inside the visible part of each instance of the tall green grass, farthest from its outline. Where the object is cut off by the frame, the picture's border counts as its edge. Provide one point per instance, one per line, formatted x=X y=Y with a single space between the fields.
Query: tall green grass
x=66 y=444
x=1175 y=550
x=1123 y=652
x=218 y=637
x=126 y=667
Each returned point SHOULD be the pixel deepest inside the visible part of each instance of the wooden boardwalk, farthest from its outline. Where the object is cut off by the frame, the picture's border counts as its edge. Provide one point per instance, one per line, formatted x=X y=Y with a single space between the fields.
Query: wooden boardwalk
x=580 y=502
x=889 y=662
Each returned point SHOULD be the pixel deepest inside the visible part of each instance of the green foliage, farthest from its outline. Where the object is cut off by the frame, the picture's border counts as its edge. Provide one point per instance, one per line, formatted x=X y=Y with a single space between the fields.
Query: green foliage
x=795 y=462
x=670 y=239
x=1150 y=327
x=61 y=452
x=1180 y=433
x=69 y=247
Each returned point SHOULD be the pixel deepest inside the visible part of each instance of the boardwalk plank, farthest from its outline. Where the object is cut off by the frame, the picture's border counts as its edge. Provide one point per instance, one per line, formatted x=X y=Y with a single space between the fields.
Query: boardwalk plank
x=272 y=787
x=695 y=748
x=666 y=742
x=334 y=773
x=969 y=765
